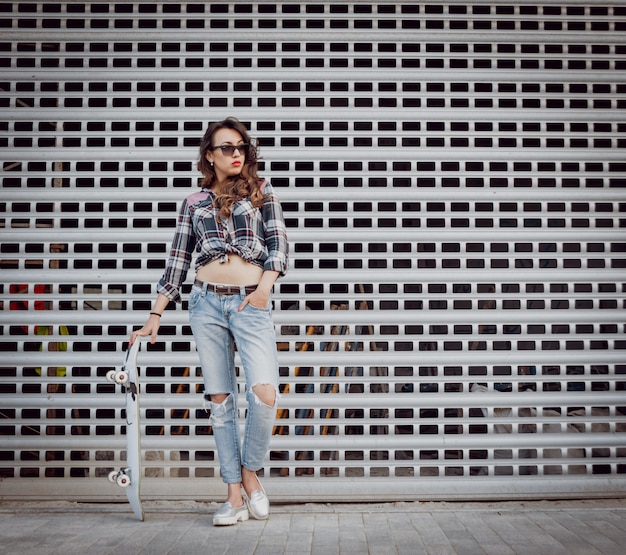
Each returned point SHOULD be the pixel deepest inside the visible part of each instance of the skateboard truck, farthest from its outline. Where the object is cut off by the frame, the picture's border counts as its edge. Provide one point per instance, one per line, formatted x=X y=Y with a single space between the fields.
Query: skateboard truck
x=117 y=376
x=120 y=477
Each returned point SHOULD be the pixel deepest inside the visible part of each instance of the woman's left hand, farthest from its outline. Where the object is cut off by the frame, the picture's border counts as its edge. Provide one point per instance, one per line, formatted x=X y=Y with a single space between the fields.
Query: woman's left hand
x=258 y=299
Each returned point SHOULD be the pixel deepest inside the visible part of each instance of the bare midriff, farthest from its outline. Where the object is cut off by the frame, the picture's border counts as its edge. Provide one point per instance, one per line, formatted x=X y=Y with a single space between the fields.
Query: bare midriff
x=234 y=271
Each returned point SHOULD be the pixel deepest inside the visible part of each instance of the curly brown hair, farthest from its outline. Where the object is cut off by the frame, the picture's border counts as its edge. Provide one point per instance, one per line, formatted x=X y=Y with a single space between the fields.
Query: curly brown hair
x=245 y=185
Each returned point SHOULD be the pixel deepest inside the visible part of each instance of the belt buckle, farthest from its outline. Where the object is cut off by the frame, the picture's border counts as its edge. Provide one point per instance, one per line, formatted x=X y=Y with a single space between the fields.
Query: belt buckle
x=219 y=289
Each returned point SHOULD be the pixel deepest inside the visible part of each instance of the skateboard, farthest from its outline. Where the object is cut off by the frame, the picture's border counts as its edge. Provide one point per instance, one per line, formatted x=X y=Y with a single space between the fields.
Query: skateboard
x=129 y=477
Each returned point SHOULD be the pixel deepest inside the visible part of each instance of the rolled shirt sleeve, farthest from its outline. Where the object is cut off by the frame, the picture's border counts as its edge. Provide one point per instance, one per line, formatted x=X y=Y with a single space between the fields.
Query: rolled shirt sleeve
x=275 y=233
x=181 y=251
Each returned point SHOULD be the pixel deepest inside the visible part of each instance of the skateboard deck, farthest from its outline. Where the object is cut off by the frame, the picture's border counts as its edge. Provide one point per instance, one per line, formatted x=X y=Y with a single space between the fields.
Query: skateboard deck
x=129 y=477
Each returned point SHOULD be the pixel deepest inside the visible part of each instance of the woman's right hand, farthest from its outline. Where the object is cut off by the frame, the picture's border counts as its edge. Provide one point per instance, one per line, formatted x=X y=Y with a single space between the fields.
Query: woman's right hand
x=151 y=328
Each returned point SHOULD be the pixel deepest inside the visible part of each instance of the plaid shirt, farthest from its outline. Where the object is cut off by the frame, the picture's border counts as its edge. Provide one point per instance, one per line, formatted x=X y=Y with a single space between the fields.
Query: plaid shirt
x=258 y=235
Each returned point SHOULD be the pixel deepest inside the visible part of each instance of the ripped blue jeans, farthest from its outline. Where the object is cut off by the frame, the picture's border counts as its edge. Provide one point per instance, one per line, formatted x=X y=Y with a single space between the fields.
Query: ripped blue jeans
x=217 y=327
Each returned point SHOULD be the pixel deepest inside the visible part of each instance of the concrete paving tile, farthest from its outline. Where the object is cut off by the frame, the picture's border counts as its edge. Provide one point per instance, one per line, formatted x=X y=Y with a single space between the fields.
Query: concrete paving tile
x=513 y=529
x=132 y=539
x=357 y=547
x=326 y=519
x=272 y=541
x=608 y=527
x=278 y=525
x=399 y=521
x=431 y=535
x=244 y=544
x=24 y=546
x=410 y=550
x=20 y=545
x=452 y=527
x=356 y=532
x=167 y=538
x=380 y=539
x=460 y=538
x=346 y=521
x=268 y=550
x=497 y=549
x=382 y=549
x=618 y=518
x=533 y=532
x=376 y=525
x=210 y=547
x=462 y=547
x=354 y=547
x=571 y=542
x=440 y=550
x=325 y=532
x=528 y=548
x=300 y=541
x=324 y=539
x=197 y=535
x=323 y=549
x=474 y=523
x=504 y=525
x=406 y=540
x=615 y=517
x=240 y=548
x=16 y=528
x=600 y=539
x=36 y=550
x=411 y=544
x=78 y=550
x=302 y=523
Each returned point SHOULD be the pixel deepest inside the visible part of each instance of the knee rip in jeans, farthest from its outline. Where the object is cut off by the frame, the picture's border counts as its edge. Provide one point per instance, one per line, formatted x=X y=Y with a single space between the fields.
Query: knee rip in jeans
x=265 y=394
x=218 y=410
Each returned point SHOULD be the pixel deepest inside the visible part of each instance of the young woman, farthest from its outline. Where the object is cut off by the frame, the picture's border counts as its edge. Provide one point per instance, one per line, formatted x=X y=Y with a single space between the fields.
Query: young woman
x=236 y=226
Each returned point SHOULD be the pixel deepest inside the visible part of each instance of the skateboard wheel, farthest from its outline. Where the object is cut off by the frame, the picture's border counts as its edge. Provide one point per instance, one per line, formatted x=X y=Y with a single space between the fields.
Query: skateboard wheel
x=121 y=377
x=111 y=375
x=112 y=477
x=123 y=480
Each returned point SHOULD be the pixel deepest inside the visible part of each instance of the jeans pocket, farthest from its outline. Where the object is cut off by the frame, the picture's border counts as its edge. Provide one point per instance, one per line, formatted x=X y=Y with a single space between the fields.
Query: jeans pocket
x=259 y=309
x=194 y=298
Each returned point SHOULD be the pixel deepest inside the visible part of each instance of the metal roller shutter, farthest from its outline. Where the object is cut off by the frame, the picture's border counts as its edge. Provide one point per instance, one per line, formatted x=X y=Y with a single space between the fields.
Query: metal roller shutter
x=453 y=178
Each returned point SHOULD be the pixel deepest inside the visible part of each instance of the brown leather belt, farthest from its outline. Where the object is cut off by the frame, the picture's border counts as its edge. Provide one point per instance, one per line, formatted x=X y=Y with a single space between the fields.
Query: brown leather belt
x=225 y=289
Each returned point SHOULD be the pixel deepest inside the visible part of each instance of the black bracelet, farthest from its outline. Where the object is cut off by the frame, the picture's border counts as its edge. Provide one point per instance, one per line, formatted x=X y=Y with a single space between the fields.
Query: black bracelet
x=156 y=314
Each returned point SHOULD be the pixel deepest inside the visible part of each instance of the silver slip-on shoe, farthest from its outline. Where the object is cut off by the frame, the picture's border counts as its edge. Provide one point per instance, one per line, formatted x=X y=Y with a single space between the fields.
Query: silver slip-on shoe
x=227 y=515
x=259 y=504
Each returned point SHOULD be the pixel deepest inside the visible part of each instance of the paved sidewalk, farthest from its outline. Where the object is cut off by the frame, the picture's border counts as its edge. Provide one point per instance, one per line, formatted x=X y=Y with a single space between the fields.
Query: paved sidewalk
x=587 y=527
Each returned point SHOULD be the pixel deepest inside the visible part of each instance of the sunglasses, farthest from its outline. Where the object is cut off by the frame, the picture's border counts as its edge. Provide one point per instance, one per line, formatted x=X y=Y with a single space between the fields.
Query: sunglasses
x=229 y=150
